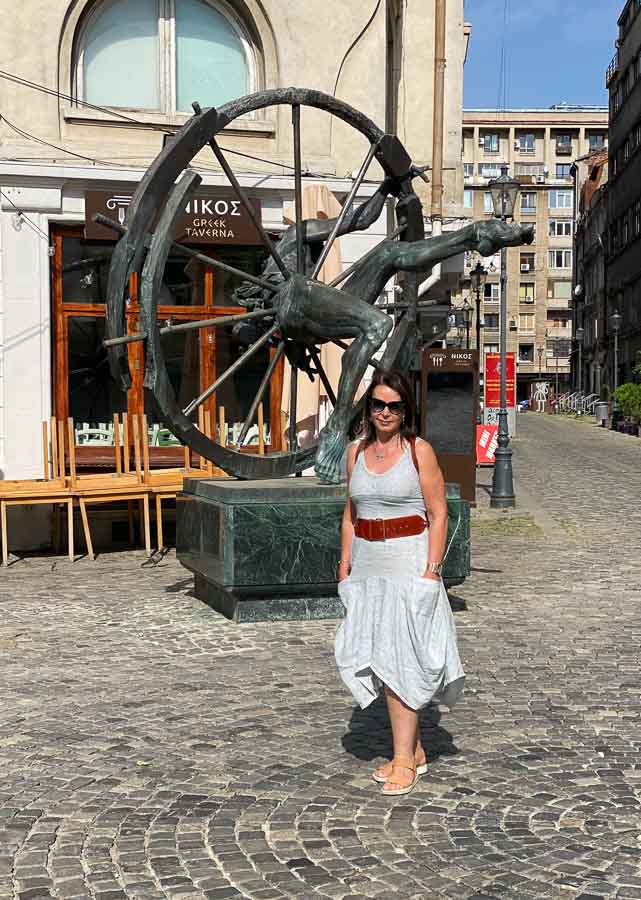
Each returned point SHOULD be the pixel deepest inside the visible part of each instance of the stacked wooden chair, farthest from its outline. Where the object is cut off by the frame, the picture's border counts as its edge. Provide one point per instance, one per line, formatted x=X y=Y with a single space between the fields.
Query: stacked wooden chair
x=53 y=489
x=63 y=486
x=111 y=487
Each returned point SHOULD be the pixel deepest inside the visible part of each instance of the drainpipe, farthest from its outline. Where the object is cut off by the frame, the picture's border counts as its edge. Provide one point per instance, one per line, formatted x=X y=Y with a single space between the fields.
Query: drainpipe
x=436 y=212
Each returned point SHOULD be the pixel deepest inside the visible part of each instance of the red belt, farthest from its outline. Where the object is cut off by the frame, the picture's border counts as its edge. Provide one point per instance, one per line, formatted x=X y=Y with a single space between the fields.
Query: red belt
x=382 y=529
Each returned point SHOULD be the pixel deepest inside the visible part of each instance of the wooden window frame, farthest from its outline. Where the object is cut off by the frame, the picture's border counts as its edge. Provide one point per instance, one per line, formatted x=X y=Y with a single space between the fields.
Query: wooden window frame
x=61 y=313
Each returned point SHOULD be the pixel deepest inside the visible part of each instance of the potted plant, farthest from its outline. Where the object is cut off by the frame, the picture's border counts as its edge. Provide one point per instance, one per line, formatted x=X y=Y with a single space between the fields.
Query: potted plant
x=628 y=397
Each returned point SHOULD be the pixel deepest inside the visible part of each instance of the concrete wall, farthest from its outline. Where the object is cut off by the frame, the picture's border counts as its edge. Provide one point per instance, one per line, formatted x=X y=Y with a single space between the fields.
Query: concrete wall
x=301 y=44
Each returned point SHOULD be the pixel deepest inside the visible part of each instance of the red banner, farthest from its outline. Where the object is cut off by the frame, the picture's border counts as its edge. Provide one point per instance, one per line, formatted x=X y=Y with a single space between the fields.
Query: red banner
x=486 y=443
x=493 y=379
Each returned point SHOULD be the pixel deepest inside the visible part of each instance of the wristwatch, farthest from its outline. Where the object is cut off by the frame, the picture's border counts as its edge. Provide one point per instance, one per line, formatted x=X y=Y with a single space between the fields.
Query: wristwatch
x=435 y=568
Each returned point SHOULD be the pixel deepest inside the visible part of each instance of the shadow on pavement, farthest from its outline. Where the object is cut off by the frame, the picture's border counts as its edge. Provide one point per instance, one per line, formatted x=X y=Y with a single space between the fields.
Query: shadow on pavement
x=370 y=734
x=179 y=586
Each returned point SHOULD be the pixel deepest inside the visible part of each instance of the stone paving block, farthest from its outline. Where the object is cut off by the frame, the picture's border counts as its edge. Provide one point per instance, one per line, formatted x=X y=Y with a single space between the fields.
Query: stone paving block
x=151 y=749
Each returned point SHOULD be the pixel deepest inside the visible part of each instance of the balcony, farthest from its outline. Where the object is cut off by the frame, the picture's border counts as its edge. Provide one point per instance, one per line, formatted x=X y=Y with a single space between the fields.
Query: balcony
x=557 y=303
x=612 y=69
x=559 y=334
x=563 y=148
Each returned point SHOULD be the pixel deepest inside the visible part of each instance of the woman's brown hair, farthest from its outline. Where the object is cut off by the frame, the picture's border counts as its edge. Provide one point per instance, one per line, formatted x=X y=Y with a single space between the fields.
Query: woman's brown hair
x=399 y=383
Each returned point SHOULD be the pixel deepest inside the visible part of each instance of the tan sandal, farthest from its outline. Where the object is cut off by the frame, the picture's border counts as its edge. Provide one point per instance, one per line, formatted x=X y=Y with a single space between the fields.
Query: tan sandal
x=380 y=777
x=398 y=763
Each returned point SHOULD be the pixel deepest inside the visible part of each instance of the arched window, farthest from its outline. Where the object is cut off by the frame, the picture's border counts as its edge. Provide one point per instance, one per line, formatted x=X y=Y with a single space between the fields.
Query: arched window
x=164 y=54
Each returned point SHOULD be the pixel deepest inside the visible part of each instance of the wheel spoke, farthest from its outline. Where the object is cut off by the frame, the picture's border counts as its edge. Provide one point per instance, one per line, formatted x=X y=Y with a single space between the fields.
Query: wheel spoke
x=374 y=363
x=293 y=409
x=191 y=326
x=194 y=254
x=323 y=375
x=348 y=271
x=362 y=172
x=260 y=392
x=230 y=371
x=298 y=191
x=249 y=209
x=220 y=320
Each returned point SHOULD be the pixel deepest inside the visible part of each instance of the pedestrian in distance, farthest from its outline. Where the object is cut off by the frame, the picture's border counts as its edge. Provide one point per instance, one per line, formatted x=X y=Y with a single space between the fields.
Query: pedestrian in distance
x=398 y=636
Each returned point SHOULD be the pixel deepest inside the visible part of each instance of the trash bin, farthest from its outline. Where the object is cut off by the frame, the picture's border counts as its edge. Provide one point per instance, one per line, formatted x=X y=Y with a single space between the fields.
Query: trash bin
x=601 y=412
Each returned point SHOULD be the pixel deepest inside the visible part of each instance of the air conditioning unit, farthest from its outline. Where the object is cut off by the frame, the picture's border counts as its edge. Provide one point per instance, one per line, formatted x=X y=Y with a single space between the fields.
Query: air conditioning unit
x=525 y=267
x=540 y=179
x=517 y=145
x=481 y=142
x=513 y=325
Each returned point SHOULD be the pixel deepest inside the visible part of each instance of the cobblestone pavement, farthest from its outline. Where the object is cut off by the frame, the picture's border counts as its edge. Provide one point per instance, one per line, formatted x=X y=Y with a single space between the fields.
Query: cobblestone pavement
x=149 y=748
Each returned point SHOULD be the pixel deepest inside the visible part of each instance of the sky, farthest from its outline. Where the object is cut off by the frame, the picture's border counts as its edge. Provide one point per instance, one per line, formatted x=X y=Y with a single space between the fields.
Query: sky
x=557 y=51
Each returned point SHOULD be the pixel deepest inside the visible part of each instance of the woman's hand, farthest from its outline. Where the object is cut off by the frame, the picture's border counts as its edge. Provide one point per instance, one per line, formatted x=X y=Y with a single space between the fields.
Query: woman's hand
x=431 y=576
x=343 y=571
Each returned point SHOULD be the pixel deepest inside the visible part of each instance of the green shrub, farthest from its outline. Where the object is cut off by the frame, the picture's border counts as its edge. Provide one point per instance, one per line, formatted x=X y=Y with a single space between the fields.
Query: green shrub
x=629 y=399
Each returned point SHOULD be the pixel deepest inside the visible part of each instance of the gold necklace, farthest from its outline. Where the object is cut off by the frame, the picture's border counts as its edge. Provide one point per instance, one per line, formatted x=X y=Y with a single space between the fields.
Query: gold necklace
x=380 y=456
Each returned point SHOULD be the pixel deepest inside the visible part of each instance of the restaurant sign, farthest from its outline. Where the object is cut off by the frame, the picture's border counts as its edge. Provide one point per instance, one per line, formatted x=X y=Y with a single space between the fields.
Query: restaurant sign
x=206 y=219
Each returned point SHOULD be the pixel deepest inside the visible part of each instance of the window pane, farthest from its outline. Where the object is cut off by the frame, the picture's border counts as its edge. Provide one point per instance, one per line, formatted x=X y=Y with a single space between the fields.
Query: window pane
x=247 y=259
x=85 y=270
x=184 y=283
x=120 y=60
x=94 y=396
x=211 y=66
x=182 y=360
x=237 y=393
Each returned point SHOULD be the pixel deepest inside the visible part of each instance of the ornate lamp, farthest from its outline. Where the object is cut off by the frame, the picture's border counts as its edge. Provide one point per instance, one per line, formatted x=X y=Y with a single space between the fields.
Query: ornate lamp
x=478 y=277
x=504 y=192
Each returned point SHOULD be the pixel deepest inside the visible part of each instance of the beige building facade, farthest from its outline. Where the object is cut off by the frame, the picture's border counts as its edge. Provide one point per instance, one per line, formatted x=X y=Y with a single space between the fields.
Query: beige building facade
x=540 y=148
x=93 y=88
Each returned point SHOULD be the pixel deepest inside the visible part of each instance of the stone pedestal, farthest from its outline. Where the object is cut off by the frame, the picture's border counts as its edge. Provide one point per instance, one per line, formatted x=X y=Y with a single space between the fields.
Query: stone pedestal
x=264 y=550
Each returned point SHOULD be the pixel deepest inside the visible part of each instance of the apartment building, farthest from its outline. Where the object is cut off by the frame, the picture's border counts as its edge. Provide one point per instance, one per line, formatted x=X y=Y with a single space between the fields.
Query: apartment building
x=539 y=147
x=623 y=267
x=589 y=295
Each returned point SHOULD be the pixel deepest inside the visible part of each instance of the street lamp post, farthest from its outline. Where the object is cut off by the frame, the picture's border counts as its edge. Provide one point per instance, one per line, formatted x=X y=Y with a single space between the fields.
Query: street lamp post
x=467 y=318
x=478 y=277
x=504 y=192
x=580 y=332
x=615 y=320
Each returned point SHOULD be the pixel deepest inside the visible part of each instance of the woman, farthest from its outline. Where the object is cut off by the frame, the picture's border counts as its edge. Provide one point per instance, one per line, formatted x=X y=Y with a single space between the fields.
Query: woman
x=398 y=635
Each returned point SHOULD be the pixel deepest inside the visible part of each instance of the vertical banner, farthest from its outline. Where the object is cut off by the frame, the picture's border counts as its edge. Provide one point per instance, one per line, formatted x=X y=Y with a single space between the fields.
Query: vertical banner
x=487 y=438
x=493 y=380
x=492 y=400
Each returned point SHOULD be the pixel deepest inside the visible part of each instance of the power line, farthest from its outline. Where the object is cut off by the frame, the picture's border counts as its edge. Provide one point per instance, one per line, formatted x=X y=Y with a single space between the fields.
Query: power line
x=26 y=218
x=25 y=82
x=60 y=95
x=502 y=84
x=33 y=137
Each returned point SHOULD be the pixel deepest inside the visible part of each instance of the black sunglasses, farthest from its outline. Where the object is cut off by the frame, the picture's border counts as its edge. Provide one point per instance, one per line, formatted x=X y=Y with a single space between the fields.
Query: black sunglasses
x=396 y=407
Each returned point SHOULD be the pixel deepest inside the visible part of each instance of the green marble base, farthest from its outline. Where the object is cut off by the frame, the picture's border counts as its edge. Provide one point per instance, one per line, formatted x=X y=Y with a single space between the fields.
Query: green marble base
x=264 y=550
x=241 y=605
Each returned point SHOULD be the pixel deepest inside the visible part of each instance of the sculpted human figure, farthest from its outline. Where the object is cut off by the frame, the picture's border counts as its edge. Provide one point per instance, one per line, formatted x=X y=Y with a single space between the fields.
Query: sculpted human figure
x=313 y=313
x=541 y=390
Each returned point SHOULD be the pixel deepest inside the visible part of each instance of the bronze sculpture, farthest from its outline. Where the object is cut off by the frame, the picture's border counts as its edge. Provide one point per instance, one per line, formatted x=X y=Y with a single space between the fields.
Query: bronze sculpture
x=289 y=308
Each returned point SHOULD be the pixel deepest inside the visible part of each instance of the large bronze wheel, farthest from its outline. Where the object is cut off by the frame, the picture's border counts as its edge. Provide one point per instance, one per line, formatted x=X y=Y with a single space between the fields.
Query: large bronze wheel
x=144 y=247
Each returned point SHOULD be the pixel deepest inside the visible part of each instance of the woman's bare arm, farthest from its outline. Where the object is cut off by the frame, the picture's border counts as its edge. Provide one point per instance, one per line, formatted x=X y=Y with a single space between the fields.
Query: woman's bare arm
x=349 y=517
x=433 y=489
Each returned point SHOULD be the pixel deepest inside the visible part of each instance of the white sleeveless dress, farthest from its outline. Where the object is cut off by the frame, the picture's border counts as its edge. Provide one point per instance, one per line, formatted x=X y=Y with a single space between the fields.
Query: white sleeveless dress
x=398 y=629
